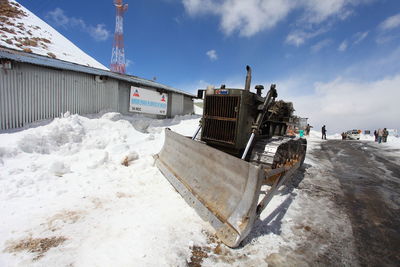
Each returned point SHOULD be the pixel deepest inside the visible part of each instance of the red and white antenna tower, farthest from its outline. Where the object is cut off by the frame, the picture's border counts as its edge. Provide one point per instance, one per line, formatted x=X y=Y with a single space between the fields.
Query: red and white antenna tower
x=118 y=53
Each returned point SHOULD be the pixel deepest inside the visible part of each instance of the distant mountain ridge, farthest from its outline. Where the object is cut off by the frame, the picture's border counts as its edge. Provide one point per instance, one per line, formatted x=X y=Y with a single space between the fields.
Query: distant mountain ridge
x=22 y=30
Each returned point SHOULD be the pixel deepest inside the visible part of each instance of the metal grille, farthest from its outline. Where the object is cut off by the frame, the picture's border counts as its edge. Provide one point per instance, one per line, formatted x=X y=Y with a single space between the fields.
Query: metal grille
x=220 y=118
x=222 y=106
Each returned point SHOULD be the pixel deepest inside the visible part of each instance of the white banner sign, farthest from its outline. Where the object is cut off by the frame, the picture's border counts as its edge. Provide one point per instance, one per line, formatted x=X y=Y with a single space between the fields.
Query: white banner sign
x=148 y=101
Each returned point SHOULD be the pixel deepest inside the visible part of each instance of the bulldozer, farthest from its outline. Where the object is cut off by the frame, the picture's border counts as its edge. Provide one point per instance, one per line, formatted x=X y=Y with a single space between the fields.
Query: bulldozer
x=239 y=148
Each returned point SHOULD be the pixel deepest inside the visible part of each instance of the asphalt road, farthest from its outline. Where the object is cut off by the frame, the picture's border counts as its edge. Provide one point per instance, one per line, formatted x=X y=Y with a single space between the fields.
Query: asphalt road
x=369 y=176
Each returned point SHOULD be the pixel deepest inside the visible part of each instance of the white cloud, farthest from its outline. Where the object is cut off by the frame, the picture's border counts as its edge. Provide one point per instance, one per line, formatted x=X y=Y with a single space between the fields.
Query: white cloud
x=99 y=33
x=363 y=96
x=343 y=46
x=386 y=29
x=74 y=22
x=320 y=45
x=344 y=104
x=212 y=55
x=253 y=16
x=128 y=63
x=192 y=87
x=356 y=39
x=384 y=38
x=390 y=23
x=245 y=17
x=299 y=37
x=359 y=37
x=316 y=11
x=58 y=17
x=194 y=7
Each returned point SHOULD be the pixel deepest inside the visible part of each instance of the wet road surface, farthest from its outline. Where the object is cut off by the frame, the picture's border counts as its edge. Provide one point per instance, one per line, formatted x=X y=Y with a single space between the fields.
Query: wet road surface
x=369 y=176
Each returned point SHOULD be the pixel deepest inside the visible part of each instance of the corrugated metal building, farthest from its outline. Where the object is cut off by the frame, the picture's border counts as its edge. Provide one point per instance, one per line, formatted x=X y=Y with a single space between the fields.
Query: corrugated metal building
x=34 y=87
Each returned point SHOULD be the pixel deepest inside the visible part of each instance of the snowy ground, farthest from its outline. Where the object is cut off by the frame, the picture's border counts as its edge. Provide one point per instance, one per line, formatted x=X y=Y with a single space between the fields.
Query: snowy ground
x=392 y=141
x=67 y=198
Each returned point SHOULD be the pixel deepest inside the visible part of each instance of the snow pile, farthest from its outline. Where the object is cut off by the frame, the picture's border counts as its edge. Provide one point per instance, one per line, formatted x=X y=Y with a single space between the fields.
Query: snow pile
x=22 y=30
x=392 y=141
x=198 y=106
x=92 y=182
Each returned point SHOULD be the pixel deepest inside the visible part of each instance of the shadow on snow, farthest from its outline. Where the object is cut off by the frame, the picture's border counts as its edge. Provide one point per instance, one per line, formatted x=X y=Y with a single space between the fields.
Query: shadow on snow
x=273 y=222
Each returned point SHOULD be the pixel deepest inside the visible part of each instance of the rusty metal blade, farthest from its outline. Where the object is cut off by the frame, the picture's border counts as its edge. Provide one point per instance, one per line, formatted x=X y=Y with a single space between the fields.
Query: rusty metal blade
x=223 y=189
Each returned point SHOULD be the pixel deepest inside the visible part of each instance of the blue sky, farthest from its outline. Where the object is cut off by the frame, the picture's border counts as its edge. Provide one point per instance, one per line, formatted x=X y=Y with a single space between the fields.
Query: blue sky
x=331 y=57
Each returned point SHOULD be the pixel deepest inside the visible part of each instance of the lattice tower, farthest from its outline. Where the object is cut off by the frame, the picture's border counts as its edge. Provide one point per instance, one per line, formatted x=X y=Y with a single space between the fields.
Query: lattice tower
x=118 y=52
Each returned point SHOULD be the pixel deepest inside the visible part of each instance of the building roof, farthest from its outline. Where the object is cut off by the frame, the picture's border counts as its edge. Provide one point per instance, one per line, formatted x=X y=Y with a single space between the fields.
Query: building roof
x=35 y=59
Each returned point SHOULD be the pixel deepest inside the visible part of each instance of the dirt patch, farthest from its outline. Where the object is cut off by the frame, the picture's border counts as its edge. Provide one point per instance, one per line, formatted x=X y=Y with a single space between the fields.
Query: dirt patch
x=39 y=246
x=10 y=10
x=198 y=254
x=215 y=250
x=51 y=55
x=129 y=159
x=9 y=30
x=125 y=162
x=97 y=203
x=57 y=221
x=123 y=195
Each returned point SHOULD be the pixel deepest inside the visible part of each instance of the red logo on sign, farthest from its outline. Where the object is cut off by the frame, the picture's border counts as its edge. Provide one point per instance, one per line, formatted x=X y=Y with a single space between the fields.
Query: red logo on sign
x=136 y=93
x=163 y=99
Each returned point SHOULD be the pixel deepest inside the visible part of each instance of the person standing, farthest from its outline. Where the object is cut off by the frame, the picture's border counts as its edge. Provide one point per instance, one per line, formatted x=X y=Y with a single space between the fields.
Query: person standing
x=323 y=130
x=380 y=135
x=376 y=135
x=308 y=128
x=385 y=135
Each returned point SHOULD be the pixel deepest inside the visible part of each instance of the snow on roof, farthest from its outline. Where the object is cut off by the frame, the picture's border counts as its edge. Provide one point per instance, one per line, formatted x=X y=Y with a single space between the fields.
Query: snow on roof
x=22 y=30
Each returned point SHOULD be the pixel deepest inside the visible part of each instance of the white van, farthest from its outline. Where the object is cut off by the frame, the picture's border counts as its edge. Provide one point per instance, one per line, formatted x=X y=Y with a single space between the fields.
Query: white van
x=353 y=135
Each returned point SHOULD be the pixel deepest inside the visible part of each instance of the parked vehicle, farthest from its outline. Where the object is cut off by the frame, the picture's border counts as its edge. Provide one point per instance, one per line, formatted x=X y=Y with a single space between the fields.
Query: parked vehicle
x=353 y=135
x=243 y=146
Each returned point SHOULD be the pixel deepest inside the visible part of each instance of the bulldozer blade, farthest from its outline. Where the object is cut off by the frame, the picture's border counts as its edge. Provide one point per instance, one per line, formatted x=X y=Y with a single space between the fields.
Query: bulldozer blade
x=223 y=189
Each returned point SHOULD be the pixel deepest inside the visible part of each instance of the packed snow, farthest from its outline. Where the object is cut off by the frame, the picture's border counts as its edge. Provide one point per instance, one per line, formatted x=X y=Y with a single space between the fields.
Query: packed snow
x=86 y=190
x=198 y=106
x=22 y=30
x=69 y=179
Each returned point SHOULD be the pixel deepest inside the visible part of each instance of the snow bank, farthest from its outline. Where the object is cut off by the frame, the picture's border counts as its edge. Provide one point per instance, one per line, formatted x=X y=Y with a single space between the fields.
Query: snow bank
x=198 y=106
x=393 y=141
x=92 y=181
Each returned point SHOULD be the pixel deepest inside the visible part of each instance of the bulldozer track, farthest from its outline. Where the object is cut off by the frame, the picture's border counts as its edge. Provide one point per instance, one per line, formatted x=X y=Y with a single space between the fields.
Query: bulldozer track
x=277 y=151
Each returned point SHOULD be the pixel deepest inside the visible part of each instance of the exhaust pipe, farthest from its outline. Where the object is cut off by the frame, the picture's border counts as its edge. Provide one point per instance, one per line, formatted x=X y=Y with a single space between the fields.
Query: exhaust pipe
x=248 y=78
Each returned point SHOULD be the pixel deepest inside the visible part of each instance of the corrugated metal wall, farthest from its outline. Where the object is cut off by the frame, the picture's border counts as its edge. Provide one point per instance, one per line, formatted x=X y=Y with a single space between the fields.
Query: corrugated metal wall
x=30 y=93
x=188 y=105
x=176 y=101
x=124 y=90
